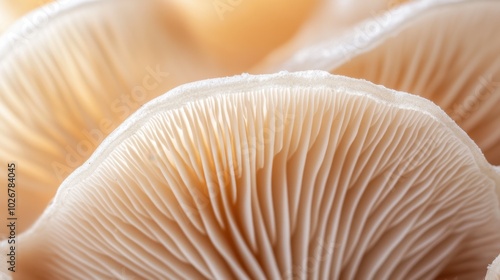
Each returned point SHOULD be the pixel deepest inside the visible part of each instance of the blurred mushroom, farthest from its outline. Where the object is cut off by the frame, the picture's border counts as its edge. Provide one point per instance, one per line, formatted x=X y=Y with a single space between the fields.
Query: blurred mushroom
x=240 y=33
x=303 y=175
x=446 y=51
x=329 y=19
x=11 y=10
x=73 y=70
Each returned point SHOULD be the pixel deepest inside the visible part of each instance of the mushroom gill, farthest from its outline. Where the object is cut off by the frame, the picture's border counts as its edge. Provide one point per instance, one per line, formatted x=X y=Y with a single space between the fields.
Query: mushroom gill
x=72 y=71
x=294 y=176
x=445 y=51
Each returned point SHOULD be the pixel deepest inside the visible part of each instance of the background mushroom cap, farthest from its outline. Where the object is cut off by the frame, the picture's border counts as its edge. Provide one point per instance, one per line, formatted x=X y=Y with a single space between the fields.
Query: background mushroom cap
x=445 y=51
x=70 y=73
x=302 y=175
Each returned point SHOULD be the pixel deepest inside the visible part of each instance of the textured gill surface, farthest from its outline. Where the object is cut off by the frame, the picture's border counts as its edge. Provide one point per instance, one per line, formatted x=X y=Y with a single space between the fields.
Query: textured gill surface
x=446 y=51
x=276 y=182
x=449 y=56
x=67 y=82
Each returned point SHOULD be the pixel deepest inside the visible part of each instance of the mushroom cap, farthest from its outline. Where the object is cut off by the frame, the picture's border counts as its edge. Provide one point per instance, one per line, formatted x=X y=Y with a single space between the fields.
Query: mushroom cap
x=445 y=51
x=291 y=175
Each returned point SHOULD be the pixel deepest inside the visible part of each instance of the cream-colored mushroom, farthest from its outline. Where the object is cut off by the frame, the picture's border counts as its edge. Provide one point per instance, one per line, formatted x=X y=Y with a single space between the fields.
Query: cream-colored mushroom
x=330 y=18
x=301 y=175
x=446 y=51
x=74 y=70
x=494 y=270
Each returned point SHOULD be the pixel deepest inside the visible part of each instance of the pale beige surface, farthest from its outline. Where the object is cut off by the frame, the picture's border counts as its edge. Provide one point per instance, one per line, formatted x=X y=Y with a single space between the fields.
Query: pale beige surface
x=290 y=175
x=78 y=77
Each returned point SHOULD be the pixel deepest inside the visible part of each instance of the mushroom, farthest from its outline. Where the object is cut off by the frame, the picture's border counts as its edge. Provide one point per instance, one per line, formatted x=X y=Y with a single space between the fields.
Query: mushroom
x=494 y=270
x=290 y=175
x=90 y=65
x=445 y=51
x=329 y=19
